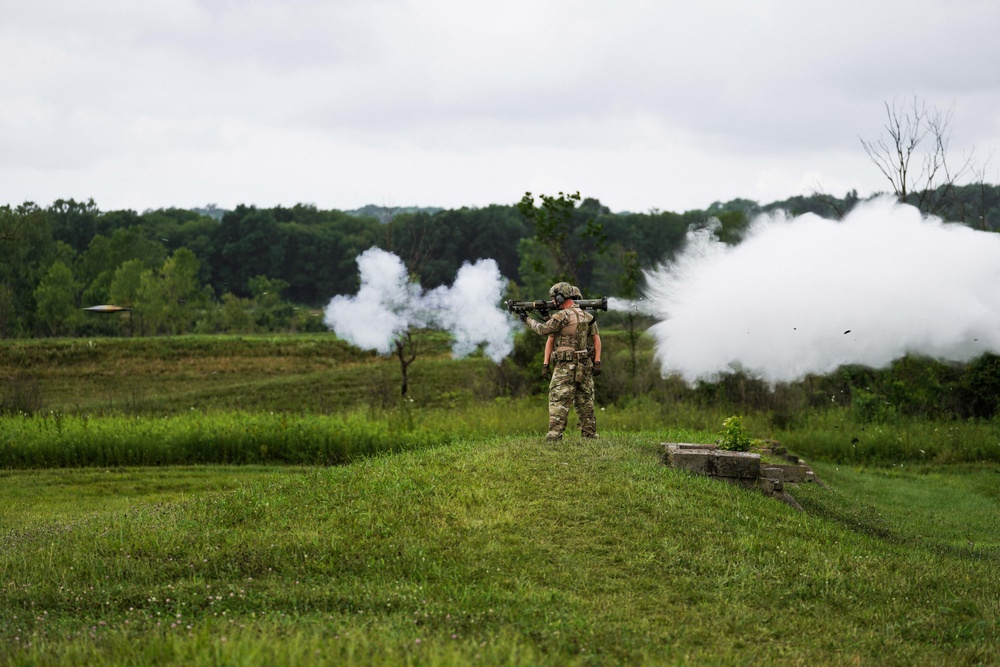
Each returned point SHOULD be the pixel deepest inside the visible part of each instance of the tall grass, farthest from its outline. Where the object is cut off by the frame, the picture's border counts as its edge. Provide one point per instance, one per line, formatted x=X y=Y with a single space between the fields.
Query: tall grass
x=195 y=437
x=836 y=434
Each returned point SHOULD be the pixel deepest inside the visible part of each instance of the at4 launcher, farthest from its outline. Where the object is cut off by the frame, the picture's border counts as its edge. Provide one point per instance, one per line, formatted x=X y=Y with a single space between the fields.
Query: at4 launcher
x=543 y=308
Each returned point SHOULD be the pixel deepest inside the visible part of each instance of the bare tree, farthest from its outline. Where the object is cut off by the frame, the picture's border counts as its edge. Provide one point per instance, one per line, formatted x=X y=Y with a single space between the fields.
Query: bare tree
x=386 y=214
x=406 y=352
x=985 y=199
x=912 y=153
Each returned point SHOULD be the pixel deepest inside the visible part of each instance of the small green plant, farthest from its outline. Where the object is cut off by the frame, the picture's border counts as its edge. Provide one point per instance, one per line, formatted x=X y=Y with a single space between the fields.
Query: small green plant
x=734 y=435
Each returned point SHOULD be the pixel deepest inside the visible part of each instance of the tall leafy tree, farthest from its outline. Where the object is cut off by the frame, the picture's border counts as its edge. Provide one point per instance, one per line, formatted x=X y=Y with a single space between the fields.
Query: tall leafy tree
x=6 y=311
x=74 y=223
x=182 y=293
x=125 y=288
x=168 y=299
x=56 y=299
x=563 y=234
x=97 y=266
x=273 y=312
x=27 y=249
x=249 y=242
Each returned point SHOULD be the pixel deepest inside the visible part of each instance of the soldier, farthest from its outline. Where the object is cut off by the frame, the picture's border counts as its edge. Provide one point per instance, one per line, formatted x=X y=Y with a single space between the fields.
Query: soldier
x=571 y=330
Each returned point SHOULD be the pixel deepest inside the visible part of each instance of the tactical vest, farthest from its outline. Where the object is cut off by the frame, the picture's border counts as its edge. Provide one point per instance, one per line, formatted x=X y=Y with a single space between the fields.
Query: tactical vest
x=570 y=342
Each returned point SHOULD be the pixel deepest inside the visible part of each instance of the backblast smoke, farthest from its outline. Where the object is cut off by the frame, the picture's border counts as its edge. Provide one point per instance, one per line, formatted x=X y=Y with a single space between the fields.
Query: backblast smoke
x=806 y=295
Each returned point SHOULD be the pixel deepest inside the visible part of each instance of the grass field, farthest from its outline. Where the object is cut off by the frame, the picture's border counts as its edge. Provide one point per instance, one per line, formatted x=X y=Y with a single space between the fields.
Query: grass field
x=456 y=536
x=502 y=551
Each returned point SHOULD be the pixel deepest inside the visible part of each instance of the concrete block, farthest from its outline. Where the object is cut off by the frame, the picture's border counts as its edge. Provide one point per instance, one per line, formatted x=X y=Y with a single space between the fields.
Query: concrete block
x=690 y=445
x=770 y=486
x=795 y=474
x=737 y=464
x=772 y=471
x=792 y=474
x=699 y=462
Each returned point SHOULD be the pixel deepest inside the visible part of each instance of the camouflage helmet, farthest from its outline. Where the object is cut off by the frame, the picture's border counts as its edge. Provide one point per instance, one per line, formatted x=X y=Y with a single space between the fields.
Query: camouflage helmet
x=577 y=294
x=563 y=290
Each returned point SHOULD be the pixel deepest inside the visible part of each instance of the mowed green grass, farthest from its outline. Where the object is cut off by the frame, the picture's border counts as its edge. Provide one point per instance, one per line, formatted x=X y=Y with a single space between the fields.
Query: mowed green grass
x=280 y=373
x=500 y=550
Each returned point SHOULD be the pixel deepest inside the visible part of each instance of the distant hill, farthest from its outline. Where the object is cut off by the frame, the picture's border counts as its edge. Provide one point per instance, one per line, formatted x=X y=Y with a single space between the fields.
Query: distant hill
x=211 y=210
x=382 y=213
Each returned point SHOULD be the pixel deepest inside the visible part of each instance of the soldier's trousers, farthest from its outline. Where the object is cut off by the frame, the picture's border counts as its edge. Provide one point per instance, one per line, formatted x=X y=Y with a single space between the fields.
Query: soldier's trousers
x=572 y=383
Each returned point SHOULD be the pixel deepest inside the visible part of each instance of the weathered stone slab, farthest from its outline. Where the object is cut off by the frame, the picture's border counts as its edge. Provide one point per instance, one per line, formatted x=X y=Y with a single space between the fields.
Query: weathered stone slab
x=697 y=461
x=772 y=471
x=770 y=486
x=792 y=474
x=717 y=463
x=742 y=465
x=795 y=474
x=743 y=468
x=690 y=445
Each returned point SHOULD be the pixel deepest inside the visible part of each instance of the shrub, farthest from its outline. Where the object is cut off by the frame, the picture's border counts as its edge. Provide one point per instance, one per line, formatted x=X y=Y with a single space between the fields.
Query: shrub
x=734 y=435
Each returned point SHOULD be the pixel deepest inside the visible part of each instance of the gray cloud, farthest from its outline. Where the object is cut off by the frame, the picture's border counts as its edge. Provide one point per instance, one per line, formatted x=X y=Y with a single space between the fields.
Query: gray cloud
x=669 y=104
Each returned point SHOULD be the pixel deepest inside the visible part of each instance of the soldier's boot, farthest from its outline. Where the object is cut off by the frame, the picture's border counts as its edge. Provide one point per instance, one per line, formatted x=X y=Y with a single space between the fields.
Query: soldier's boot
x=556 y=427
x=588 y=425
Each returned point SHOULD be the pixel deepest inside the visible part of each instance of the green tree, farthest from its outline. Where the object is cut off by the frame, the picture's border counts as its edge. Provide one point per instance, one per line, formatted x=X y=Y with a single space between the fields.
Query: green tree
x=631 y=274
x=27 y=250
x=183 y=293
x=249 y=243
x=181 y=228
x=97 y=265
x=273 y=312
x=564 y=234
x=536 y=268
x=124 y=289
x=6 y=311
x=125 y=282
x=237 y=314
x=74 y=223
x=56 y=299
x=168 y=299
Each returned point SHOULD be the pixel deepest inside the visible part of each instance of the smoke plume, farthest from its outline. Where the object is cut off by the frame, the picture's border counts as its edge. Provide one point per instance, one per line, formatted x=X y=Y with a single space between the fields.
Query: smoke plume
x=805 y=295
x=388 y=303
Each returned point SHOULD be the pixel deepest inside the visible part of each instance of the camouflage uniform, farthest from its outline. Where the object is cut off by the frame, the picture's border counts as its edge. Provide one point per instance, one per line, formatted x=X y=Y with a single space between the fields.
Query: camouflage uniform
x=572 y=376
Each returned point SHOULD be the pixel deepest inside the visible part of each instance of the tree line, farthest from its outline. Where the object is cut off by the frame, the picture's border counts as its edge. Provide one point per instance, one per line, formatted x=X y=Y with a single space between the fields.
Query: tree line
x=269 y=269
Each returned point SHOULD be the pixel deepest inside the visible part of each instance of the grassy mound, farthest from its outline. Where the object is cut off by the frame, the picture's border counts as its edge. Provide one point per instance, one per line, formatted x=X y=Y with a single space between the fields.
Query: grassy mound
x=500 y=551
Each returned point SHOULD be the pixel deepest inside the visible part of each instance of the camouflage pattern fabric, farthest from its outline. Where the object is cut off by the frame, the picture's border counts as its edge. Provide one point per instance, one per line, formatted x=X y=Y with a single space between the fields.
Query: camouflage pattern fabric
x=572 y=382
x=559 y=319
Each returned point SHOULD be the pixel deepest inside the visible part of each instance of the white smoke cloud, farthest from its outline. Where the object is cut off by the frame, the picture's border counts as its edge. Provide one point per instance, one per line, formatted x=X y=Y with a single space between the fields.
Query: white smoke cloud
x=388 y=303
x=806 y=295
x=640 y=306
x=468 y=310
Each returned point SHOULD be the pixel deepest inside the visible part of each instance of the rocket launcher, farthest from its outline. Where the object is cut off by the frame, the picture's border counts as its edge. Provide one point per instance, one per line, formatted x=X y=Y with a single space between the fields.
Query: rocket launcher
x=544 y=307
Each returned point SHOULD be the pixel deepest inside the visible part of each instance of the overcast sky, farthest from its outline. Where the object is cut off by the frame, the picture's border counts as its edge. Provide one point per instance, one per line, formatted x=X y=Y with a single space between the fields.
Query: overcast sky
x=341 y=103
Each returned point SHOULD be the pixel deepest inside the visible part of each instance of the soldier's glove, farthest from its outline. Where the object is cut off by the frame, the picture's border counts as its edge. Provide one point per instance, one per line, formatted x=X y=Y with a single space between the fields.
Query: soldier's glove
x=523 y=316
x=597 y=368
x=545 y=371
